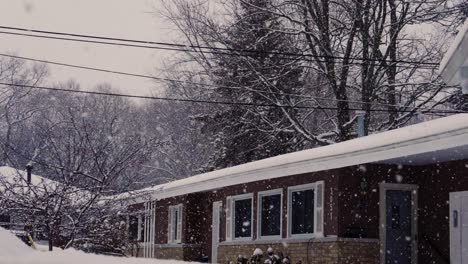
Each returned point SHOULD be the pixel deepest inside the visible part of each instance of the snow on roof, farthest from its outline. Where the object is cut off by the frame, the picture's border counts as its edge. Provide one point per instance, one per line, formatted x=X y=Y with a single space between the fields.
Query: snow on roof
x=12 y=175
x=399 y=144
x=456 y=56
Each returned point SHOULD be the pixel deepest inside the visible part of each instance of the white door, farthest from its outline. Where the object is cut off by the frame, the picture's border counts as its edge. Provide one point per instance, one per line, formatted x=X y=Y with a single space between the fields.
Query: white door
x=459 y=228
x=217 y=207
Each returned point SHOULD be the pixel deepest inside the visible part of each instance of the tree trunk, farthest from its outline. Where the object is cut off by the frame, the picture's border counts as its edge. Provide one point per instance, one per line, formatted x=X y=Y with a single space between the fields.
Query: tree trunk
x=50 y=234
x=391 y=72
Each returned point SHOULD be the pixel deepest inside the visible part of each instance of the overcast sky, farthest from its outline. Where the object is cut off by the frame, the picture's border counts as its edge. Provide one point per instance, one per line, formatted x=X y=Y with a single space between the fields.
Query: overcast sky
x=134 y=19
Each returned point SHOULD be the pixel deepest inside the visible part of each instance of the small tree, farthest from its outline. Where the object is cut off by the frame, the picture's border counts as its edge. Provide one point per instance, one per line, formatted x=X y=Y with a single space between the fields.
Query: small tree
x=88 y=146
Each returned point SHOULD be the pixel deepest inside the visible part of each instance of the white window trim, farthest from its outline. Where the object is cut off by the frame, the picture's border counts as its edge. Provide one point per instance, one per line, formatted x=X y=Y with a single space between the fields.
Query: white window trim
x=303 y=187
x=233 y=215
x=259 y=213
x=172 y=209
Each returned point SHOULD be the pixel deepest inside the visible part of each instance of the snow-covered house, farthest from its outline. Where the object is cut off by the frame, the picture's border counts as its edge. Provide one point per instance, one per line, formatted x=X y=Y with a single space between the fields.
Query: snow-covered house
x=20 y=180
x=383 y=198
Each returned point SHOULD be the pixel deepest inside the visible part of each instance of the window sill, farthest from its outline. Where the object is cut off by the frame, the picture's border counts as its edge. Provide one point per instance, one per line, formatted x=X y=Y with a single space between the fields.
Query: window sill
x=269 y=238
x=177 y=245
x=298 y=240
x=306 y=236
x=242 y=239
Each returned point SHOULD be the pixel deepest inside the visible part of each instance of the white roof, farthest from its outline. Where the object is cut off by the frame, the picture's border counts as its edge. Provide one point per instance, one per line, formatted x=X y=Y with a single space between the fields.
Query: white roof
x=456 y=56
x=438 y=140
x=15 y=176
x=16 y=180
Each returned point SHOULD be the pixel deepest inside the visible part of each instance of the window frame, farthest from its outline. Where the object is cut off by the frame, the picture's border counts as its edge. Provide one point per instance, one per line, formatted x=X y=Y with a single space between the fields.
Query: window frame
x=140 y=220
x=298 y=188
x=174 y=224
x=241 y=197
x=260 y=195
x=141 y=227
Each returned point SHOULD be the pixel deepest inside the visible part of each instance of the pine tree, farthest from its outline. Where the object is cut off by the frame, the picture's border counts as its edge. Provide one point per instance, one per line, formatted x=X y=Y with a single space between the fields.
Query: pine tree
x=244 y=134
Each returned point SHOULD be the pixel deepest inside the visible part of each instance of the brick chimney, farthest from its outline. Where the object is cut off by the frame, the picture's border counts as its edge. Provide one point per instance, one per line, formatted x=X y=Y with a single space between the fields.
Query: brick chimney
x=361 y=115
x=29 y=168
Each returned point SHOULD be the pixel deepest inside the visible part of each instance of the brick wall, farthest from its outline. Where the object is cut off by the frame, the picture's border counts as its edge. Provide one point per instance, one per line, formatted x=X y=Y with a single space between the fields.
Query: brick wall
x=333 y=251
x=176 y=253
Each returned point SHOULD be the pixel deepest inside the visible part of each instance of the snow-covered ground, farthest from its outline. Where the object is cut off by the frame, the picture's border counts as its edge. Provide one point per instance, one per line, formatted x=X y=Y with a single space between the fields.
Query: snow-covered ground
x=13 y=251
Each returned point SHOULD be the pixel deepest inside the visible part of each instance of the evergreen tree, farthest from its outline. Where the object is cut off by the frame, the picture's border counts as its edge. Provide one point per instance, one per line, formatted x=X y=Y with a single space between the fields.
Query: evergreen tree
x=247 y=133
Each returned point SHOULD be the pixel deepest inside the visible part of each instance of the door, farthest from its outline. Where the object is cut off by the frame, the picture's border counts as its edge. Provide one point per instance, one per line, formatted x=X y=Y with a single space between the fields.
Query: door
x=399 y=223
x=215 y=235
x=459 y=228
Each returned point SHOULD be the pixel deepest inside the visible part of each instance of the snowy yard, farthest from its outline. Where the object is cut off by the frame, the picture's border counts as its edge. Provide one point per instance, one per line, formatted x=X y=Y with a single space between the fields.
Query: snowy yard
x=13 y=251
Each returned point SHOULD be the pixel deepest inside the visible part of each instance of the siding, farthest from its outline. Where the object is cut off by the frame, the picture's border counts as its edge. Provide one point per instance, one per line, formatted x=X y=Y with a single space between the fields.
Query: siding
x=351 y=207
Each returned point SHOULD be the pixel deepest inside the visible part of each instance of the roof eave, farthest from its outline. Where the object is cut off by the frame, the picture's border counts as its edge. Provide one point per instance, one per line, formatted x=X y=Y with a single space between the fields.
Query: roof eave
x=437 y=142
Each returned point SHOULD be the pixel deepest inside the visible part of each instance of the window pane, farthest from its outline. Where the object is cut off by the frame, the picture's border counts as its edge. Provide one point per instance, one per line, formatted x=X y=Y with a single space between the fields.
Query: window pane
x=302 y=208
x=271 y=215
x=243 y=218
x=175 y=220
x=5 y=221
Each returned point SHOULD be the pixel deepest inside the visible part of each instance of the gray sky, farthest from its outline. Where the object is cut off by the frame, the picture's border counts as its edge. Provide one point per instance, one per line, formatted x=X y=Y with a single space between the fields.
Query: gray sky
x=133 y=19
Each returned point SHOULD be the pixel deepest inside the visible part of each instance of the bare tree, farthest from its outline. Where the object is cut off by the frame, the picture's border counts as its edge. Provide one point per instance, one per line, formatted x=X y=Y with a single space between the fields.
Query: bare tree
x=352 y=55
x=17 y=104
x=89 y=147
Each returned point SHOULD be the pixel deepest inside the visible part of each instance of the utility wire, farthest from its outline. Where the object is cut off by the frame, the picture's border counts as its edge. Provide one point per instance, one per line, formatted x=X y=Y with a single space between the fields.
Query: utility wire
x=211 y=102
x=166 y=80
x=187 y=48
x=429 y=67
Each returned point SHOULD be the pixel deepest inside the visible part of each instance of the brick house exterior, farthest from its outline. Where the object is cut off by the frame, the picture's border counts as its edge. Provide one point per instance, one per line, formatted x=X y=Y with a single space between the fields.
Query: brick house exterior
x=372 y=197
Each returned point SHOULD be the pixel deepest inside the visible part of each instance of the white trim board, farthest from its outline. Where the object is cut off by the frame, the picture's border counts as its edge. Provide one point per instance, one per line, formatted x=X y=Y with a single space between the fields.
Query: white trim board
x=300 y=240
x=440 y=134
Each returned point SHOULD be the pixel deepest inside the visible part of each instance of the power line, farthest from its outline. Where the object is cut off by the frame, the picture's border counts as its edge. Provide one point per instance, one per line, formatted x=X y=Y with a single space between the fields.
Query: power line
x=211 y=102
x=170 y=49
x=189 y=48
x=209 y=85
x=101 y=70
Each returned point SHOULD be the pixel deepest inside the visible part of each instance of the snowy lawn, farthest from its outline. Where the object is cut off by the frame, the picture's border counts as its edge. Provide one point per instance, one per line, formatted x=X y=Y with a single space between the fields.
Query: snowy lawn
x=13 y=251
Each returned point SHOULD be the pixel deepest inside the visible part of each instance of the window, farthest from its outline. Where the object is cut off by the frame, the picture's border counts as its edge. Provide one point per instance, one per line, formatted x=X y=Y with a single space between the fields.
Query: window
x=135 y=227
x=302 y=212
x=241 y=217
x=270 y=214
x=5 y=221
x=175 y=224
x=305 y=210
